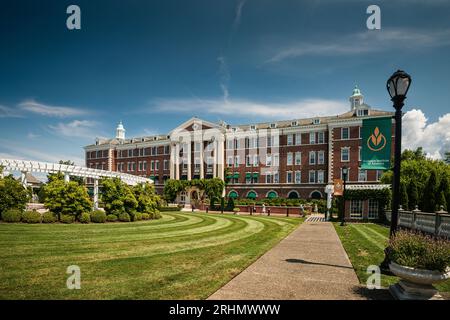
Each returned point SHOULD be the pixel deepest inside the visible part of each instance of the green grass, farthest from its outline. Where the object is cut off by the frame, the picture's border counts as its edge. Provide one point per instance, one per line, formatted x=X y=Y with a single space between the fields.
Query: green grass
x=365 y=243
x=180 y=256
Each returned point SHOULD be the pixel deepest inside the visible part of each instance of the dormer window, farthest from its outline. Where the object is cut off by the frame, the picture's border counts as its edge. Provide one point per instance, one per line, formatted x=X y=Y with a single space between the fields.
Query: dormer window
x=273 y=125
x=294 y=123
x=252 y=127
x=316 y=121
x=362 y=112
x=234 y=129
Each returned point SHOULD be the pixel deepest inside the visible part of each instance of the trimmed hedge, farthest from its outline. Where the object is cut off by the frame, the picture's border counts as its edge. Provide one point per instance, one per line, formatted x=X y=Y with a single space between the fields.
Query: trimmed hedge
x=124 y=217
x=67 y=218
x=85 y=217
x=12 y=215
x=166 y=209
x=154 y=215
x=137 y=216
x=145 y=216
x=31 y=217
x=98 y=216
x=111 y=218
x=49 y=217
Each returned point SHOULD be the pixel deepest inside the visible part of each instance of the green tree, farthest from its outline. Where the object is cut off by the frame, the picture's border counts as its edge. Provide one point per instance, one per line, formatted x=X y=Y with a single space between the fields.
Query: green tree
x=148 y=200
x=447 y=157
x=413 y=195
x=172 y=188
x=441 y=201
x=444 y=191
x=404 y=196
x=430 y=193
x=118 y=197
x=12 y=194
x=60 y=176
x=68 y=198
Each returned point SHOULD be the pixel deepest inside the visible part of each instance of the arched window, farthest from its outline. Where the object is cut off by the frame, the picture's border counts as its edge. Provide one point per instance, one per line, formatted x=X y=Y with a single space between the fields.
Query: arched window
x=293 y=194
x=251 y=195
x=272 y=195
x=315 y=195
x=233 y=194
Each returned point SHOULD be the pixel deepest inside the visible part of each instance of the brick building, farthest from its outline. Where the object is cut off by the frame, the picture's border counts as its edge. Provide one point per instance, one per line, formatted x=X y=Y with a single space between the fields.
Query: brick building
x=293 y=159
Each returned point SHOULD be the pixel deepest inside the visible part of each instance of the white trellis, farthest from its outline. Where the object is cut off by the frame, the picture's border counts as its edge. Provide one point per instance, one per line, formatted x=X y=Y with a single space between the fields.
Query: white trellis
x=25 y=166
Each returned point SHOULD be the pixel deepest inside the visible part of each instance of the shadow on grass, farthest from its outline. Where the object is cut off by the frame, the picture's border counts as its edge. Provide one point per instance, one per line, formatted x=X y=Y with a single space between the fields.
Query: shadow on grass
x=316 y=263
x=374 y=294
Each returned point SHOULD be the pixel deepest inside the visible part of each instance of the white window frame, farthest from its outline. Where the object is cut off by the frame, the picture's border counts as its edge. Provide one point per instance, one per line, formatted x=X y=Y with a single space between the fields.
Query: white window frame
x=356 y=209
x=290 y=140
x=289 y=177
x=289 y=159
x=313 y=172
x=298 y=177
x=298 y=158
x=321 y=157
x=342 y=133
x=312 y=138
x=373 y=209
x=320 y=176
x=342 y=154
x=312 y=160
x=320 y=137
x=360 y=171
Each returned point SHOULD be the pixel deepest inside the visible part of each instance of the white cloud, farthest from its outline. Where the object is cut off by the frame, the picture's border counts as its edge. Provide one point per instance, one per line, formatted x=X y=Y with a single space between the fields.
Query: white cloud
x=295 y=109
x=76 y=128
x=433 y=137
x=32 y=135
x=366 y=42
x=7 y=112
x=50 y=111
x=238 y=14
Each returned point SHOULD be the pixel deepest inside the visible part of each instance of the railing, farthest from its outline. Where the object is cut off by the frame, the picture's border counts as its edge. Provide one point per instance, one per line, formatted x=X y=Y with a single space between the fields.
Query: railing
x=437 y=223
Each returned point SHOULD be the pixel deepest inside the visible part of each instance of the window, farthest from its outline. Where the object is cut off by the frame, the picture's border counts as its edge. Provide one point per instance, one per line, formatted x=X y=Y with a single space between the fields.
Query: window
x=255 y=160
x=167 y=149
x=230 y=144
x=345 y=154
x=269 y=160
x=144 y=163
x=140 y=166
x=273 y=125
x=290 y=139
x=247 y=143
x=236 y=161
x=276 y=160
x=348 y=175
x=298 y=158
x=157 y=165
x=196 y=165
x=320 y=137
x=359 y=153
x=379 y=174
x=252 y=127
x=356 y=209
x=294 y=123
x=248 y=160
x=152 y=165
x=312 y=176
x=268 y=178
x=298 y=139
x=362 y=112
x=269 y=141
x=289 y=177
x=320 y=176
x=155 y=151
x=345 y=133
x=197 y=147
x=128 y=166
x=316 y=121
x=237 y=144
x=359 y=132
x=276 y=177
x=166 y=164
x=320 y=157
x=312 y=157
x=373 y=209
x=230 y=161
x=130 y=153
x=312 y=138
x=362 y=175
x=289 y=159
x=248 y=178
x=298 y=177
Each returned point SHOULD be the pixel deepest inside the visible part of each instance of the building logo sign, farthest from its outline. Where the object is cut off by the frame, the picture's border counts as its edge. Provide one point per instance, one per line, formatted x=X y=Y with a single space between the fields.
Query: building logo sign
x=376 y=146
x=338 y=187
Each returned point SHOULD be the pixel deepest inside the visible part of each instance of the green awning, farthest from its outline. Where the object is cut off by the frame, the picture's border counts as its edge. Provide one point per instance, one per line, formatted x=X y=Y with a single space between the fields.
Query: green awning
x=233 y=194
x=248 y=175
x=256 y=175
x=236 y=175
x=272 y=195
x=251 y=195
x=229 y=176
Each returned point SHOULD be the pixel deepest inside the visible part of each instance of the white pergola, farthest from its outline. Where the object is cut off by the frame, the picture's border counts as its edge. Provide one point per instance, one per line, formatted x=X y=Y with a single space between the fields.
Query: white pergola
x=25 y=166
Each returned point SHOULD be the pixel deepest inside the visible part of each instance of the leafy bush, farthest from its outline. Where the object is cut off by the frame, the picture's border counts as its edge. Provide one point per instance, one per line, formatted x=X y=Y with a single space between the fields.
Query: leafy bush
x=67 y=218
x=137 y=216
x=49 y=217
x=98 y=216
x=12 y=215
x=124 y=217
x=118 y=197
x=85 y=217
x=31 y=217
x=236 y=210
x=111 y=218
x=154 y=215
x=12 y=194
x=167 y=209
x=419 y=251
x=145 y=216
x=146 y=197
x=67 y=198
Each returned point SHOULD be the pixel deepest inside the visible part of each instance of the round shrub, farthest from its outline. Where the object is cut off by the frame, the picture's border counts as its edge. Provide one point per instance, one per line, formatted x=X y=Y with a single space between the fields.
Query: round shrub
x=85 y=217
x=67 y=218
x=154 y=215
x=124 y=217
x=31 y=217
x=49 y=217
x=138 y=216
x=98 y=216
x=12 y=215
x=111 y=218
x=145 y=216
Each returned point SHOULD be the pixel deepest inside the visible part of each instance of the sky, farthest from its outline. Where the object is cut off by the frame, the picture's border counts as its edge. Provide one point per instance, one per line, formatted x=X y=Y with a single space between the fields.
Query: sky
x=155 y=64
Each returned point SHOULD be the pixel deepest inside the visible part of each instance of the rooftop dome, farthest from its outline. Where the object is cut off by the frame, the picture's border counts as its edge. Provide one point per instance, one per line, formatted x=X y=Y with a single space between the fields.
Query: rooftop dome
x=356 y=91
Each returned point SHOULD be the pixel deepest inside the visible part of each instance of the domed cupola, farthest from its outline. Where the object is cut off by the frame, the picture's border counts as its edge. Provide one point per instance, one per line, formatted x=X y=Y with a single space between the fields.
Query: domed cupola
x=120 y=131
x=356 y=99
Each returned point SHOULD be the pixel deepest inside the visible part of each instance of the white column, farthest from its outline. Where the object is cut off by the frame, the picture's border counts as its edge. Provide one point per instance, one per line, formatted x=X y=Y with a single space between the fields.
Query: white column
x=215 y=157
x=23 y=179
x=172 y=161
x=220 y=159
x=95 y=194
x=66 y=177
x=202 y=171
x=177 y=161
x=189 y=160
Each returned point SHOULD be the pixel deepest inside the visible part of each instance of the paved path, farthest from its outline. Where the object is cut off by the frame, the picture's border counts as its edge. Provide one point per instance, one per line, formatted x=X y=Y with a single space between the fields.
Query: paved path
x=310 y=263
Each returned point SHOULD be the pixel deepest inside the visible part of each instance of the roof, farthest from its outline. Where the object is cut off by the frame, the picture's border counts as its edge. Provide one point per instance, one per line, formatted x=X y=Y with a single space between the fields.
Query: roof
x=368 y=186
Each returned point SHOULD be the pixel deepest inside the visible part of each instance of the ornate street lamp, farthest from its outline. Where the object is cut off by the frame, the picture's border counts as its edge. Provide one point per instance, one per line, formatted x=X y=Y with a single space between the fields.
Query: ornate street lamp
x=397 y=86
x=344 y=177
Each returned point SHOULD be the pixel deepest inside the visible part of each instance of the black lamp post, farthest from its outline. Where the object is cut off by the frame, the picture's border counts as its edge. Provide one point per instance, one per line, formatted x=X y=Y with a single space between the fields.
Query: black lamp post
x=397 y=86
x=344 y=177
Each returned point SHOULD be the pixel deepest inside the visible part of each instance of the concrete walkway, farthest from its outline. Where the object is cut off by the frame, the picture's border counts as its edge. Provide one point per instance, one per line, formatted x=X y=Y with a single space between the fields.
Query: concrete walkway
x=310 y=263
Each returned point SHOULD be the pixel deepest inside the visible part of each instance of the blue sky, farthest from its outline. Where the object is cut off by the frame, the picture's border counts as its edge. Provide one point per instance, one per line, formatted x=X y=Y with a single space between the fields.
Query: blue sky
x=154 y=64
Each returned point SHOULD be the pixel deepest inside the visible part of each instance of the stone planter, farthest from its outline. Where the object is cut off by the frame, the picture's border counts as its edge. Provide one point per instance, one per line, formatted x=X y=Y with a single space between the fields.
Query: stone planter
x=416 y=284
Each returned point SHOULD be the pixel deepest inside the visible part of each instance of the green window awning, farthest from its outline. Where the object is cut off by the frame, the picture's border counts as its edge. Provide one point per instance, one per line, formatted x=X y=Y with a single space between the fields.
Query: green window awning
x=233 y=194
x=236 y=175
x=272 y=195
x=256 y=175
x=248 y=175
x=251 y=195
x=229 y=176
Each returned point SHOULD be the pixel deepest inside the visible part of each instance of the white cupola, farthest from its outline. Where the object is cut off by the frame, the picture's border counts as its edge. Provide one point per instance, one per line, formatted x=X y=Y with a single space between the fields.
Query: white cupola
x=356 y=99
x=120 y=131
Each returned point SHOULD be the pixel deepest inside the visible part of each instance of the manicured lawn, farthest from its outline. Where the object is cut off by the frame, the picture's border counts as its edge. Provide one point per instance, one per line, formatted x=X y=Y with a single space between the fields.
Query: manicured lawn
x=181 y=256
x=365 y=243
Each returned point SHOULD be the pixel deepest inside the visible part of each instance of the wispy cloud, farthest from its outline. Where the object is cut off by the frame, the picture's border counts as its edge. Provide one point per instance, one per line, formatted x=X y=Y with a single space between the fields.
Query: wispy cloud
x=239 y=107
x=76 y=128
x=7 y=112
x=51 y=111
x=433 y=137
x=32 y=135
x=238 y=14
x=366 y=42
x=224 y=77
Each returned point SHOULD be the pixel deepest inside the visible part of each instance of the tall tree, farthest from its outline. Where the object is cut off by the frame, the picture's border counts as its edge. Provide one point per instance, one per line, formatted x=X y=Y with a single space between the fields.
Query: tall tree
x=413 y=195
x=430 y=193
x=403 y=195
x=447 y=157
